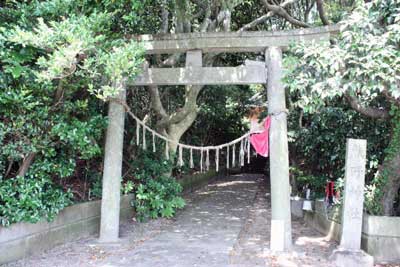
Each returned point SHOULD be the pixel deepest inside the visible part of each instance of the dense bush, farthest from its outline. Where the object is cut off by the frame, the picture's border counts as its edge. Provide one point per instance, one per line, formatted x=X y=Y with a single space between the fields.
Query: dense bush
x=158 y=197
x=359 y=68
x=156 y=193
x=29 y=199
x=55 y=62
x=318 y=146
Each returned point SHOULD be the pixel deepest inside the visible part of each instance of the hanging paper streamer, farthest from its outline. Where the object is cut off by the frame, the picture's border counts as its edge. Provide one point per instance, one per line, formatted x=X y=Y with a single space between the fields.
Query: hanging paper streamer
x=166 y=150
x=233 y=156
x=227 y=157
x=144 y=138
x=244 y=139
x=217 y=159
x=248 y=149
x=244 y=149
x=154 y=144
x=137 y=133
x=208 y=160
x=241 y=153
x=180 y=156
x=191 y=159
x=201 y=160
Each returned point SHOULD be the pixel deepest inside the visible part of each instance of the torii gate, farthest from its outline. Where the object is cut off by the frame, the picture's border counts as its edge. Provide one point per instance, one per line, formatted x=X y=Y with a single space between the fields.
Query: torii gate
x=270 y=73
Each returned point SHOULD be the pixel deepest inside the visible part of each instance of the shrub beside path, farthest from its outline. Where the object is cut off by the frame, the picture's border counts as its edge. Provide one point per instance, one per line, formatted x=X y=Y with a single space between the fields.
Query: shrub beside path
x=224 y=224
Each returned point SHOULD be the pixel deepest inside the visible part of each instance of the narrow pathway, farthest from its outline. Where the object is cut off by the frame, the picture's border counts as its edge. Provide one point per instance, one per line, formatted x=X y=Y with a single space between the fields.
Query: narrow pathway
x=224 y=224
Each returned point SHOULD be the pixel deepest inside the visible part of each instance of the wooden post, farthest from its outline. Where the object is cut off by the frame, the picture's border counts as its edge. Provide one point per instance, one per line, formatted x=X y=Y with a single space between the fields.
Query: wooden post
x=281 y=232
x=110 y=202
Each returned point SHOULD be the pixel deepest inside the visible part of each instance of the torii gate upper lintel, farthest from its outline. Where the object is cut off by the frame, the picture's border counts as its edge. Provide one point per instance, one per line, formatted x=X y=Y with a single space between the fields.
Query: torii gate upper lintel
x=270 y=73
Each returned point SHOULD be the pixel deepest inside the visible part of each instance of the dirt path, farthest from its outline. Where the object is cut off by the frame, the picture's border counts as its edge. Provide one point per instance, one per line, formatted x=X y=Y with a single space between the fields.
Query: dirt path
x=224 y=224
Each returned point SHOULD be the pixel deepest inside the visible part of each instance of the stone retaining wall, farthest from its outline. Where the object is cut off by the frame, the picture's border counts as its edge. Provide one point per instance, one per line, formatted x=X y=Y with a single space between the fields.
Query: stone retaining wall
x=74 y=222
x=380 y=234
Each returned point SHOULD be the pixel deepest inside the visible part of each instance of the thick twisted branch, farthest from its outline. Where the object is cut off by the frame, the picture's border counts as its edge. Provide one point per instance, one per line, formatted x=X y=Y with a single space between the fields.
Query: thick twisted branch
x=278 y=10
x=265 y=17
x=374 y=113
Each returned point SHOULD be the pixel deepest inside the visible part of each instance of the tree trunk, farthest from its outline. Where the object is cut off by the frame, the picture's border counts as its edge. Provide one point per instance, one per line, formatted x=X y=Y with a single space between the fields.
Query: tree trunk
x=175 y=131
x=391 y=170
x=26 y=164
x=390 y=174
x=389 y=179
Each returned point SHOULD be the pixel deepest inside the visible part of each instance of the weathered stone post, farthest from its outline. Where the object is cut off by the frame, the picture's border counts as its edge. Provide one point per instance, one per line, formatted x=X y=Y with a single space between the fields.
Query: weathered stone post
x=110 y=202
x=349 y=252
x=281 y=232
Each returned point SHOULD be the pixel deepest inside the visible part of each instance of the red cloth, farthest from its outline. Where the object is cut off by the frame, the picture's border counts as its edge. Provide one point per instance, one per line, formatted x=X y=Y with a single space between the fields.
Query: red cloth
x=329 y=190
x=260 y=141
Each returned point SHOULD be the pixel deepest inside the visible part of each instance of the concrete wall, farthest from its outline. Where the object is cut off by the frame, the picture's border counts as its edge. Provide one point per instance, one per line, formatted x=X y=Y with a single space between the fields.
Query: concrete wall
x=78 y=221
x=322 y=222
x=381 y=237
x=296 y=207
x=380 y=234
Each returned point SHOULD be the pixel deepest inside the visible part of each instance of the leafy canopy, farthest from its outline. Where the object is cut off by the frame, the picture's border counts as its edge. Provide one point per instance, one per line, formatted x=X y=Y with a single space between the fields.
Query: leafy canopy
x=364 y=61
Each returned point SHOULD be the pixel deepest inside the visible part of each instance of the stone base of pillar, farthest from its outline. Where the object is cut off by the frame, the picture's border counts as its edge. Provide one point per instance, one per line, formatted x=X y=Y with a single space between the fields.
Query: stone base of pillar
x=353 y=258
x=280 y=237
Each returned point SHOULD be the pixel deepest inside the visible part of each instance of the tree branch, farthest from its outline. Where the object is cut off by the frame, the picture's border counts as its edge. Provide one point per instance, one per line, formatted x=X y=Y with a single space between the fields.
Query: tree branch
x=374 y=113
x=207 y=14
x=156 y=104
x=278 y=10
x=308 y=10
x=171 y=60
x=190 y=104
x=321 y=12
x=26 y=163
x=389 y=97
x=224 y=19
x=164 y=17
x=264 y=17
x=257 y=21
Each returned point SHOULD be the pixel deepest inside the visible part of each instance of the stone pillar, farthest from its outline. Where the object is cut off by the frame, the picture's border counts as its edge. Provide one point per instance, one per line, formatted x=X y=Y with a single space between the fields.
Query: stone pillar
x=349 y=252
x=281 y=230
x=194 y=58
x=112 y=173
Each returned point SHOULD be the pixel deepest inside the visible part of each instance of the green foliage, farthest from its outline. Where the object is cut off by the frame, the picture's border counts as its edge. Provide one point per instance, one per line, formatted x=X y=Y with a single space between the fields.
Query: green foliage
x=361 y=64
x=29 y=199
x=364 y=61
x=222 y=110
x=315 y=183
x=374 y=191
x=54 y=56
x=373 y=195
x=127 y=187
x=149 y=165
x=319 y=144
x=119 y=65
x=158 y=197
x=95 y=181
x=76 y=46
x=156 y=194
x=126 y=16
